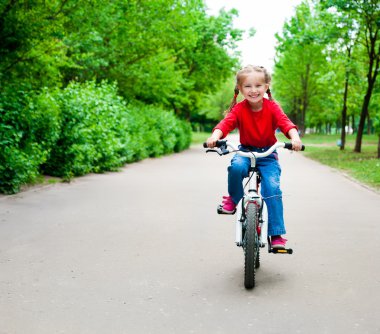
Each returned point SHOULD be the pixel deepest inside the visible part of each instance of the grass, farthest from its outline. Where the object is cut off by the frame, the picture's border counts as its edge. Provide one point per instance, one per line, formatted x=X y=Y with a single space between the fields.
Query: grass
x=364 y=166
x=41 y=180
x=200 y=137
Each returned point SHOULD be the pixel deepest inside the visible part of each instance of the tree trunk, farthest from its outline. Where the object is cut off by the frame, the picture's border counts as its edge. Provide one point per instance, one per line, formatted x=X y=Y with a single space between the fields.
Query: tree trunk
x=373 y=68
x=363 y=116
x=301 y=119
x=294 y=113
x=344 y=114
x=344 y=109
x=305 y=98
x=368 y=124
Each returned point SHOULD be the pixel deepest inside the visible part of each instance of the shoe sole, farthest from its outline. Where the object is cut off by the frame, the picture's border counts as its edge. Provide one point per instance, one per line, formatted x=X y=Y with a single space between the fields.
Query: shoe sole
x=221 y=211
x=278 y=246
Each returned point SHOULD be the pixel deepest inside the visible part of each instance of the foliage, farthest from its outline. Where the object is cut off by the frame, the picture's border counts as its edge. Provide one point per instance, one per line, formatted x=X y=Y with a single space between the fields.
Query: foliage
x=217 y=103
x=300 y=64
x=29 y=128
x=81 y=129
x=31 y=45
x=88 y=140
x=330 y=50
x=58 y=115
x=101 y=132
x=181 y=54
x=173 y=61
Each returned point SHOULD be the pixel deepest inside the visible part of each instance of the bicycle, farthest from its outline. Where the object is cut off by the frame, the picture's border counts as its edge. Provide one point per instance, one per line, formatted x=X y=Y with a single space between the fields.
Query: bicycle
x=252 y=217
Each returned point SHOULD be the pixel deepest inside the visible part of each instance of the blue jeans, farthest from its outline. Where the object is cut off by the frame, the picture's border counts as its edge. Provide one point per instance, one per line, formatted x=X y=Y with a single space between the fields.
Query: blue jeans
x=270 y=171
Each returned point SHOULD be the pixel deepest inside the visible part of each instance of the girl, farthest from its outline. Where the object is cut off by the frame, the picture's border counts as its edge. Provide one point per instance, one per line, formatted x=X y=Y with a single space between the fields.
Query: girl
x=257 y=119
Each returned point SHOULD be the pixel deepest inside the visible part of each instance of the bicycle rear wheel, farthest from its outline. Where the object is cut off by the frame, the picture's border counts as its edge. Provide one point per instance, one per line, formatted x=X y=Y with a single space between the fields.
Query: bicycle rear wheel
x=251 y=246
x=257 y=261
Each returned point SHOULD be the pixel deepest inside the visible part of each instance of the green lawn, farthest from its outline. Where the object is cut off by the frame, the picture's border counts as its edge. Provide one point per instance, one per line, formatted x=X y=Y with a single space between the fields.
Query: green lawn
x=364 y=167
x=200 y=137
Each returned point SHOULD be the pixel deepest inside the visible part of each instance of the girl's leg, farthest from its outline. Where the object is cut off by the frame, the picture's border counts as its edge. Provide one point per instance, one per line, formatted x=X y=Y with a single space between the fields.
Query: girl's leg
x=237 y=171
x=270 y=190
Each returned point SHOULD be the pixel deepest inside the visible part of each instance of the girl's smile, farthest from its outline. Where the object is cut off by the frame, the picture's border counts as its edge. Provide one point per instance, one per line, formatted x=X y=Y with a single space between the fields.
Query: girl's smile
x=253 y=88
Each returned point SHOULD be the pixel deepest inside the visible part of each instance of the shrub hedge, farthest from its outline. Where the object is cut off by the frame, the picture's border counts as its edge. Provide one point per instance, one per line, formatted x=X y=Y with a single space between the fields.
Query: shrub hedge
x=81 y=129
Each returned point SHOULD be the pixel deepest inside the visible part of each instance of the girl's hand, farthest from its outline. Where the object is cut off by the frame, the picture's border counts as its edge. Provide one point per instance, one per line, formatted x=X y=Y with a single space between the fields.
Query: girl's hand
x=296 y=140
x=211 y=142
x=297 y=144
x=216 y=135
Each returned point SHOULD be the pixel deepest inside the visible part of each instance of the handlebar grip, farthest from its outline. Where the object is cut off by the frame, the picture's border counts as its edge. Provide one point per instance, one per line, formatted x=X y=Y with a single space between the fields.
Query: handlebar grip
x=289 y=146
x=219 y=143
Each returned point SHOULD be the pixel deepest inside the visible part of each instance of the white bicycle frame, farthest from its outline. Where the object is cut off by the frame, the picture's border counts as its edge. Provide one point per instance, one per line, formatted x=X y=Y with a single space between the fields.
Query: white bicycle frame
x=251 y=194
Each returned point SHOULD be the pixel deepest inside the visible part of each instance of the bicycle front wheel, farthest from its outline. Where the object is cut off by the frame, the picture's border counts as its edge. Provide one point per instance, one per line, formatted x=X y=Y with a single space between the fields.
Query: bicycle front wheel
x=251 y=245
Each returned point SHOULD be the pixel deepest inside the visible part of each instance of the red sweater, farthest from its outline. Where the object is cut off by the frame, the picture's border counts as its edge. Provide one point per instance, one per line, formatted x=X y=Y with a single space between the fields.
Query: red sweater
x=256 y=128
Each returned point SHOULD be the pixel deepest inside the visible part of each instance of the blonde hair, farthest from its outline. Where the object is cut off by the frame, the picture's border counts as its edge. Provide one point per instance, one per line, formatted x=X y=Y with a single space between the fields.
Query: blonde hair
x=242 y=74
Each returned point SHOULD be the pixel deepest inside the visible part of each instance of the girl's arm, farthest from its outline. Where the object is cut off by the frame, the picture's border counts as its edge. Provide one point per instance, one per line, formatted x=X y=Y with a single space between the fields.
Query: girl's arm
x=295 y=138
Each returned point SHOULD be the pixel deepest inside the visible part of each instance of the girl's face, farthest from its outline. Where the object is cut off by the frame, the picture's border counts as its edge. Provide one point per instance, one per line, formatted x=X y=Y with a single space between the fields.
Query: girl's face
x=253 y=88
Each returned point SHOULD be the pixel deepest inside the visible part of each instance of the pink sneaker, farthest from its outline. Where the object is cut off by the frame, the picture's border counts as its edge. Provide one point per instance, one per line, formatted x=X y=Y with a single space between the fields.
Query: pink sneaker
x=278 y=242
x=227 y=207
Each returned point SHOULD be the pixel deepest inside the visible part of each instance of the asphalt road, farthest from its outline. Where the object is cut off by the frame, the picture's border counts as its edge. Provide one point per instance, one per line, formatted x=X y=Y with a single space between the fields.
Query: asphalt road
x=143 y=251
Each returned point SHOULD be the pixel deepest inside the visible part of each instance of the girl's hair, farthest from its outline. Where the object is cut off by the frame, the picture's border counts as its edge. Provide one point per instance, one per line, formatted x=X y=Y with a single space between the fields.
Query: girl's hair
x=241 y=75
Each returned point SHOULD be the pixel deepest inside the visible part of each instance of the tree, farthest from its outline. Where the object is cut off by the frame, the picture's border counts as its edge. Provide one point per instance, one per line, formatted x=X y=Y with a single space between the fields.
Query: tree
x=216 y=103
x=375 y=105
x=167 y=52
x=366 y=15
x=298 y=61
x=31 y=47
x=163 y=52
x=340 y=49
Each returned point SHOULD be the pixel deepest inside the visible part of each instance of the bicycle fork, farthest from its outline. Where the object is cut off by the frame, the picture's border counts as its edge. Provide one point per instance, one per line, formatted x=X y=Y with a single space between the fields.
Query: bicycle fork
x=263 y=218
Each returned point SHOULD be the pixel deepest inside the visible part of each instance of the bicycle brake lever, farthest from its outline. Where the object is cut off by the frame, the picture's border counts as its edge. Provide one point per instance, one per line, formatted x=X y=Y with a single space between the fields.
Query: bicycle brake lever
x=215 y=151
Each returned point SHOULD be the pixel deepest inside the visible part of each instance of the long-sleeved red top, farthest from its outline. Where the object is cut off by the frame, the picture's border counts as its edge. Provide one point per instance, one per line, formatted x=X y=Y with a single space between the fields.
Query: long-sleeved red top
x=256 y=128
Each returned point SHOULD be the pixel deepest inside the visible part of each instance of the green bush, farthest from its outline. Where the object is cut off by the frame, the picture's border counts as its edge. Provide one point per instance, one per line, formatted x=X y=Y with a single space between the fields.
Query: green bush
x=152 y=131
x=89 y=139
x=101 y=132
x=158 y=131
x=29 y=127
x=81 y=129
x=183 y=135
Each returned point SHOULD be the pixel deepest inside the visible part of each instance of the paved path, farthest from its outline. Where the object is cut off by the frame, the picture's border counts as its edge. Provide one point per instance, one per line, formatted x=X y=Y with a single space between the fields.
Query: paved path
x=143 y=251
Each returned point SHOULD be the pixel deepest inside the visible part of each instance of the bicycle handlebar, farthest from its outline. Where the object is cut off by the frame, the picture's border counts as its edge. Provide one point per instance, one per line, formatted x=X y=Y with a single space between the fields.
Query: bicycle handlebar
x=225 y=143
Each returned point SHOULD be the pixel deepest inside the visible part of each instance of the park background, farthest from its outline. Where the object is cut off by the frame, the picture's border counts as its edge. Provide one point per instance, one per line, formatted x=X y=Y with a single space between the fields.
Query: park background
x=88 y=86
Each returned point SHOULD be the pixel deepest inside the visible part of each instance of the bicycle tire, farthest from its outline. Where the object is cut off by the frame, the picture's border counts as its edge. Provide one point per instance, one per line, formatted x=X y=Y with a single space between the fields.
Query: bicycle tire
x=251 y=246
x=257 y=262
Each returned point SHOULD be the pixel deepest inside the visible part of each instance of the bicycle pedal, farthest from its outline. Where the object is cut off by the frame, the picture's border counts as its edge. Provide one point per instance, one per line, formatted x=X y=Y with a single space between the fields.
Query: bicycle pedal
x=281 y=251
x=221 y=212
